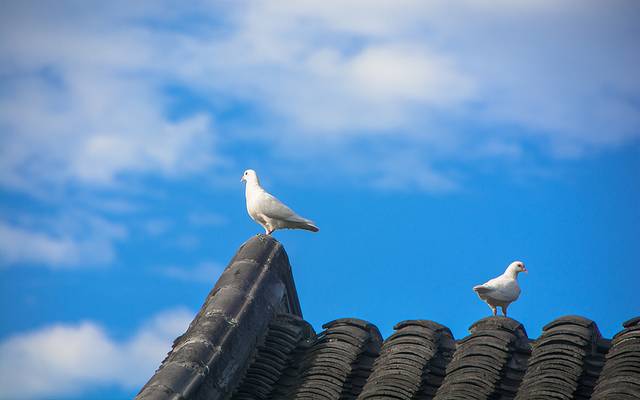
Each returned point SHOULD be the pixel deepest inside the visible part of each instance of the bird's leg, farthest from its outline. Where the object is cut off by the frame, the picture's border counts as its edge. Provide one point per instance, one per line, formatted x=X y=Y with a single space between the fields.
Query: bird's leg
x=495 y=310
x=504 y=310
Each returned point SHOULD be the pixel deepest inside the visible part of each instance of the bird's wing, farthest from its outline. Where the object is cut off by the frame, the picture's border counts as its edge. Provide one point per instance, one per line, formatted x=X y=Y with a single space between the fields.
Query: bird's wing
x=503 y=295
x=489 y=286
x=271 y=207
x=481 y=289
x=500 y=288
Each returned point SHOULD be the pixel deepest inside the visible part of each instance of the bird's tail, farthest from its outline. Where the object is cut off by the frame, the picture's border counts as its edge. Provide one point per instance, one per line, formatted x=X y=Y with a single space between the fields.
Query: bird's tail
x=303 y=223
x=308 y=226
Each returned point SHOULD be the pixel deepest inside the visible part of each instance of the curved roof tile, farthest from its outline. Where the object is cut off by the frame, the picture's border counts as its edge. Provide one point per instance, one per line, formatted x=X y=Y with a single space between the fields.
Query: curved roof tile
x=620 y=377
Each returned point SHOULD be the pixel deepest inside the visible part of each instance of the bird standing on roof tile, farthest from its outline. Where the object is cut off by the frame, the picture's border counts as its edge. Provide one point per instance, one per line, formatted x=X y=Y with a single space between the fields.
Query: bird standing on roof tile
x=503 y=290
x=268 y=211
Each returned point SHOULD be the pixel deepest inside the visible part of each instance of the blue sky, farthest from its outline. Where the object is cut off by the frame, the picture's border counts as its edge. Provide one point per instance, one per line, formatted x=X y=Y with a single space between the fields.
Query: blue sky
x=433 y=143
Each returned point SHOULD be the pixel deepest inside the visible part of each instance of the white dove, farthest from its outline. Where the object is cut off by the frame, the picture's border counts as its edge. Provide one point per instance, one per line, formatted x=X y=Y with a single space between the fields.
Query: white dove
x=503 y=290
x=268 y=211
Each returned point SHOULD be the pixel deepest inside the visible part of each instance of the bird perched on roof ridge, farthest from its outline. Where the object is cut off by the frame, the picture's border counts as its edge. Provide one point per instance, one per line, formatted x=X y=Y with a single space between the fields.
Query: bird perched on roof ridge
x=268 y=211
x=503 y=290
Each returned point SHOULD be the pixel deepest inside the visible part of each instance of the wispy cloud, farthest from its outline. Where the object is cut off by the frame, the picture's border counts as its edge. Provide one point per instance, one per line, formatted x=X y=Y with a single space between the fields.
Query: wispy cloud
x=379 y=66
x=156 y=226
x=454 y=82
x=66 y=359
x=205 y=272
x=393 y=95
x=409 y=170
x=73 y=113
x=206 y=219
x=63 y=241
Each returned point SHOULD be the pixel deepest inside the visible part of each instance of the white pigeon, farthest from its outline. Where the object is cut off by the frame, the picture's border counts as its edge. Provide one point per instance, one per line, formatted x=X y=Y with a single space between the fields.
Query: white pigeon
x=503 y=290
x=268 y=211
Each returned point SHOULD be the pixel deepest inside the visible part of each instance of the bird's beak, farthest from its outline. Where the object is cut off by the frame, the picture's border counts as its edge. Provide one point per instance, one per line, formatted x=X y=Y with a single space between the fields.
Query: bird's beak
x=242 y=179
x=525 y=270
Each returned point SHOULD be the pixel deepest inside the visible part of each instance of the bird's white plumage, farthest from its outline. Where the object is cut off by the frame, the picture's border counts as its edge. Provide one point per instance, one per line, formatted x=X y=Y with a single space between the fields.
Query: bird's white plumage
x=503 y=290
x=268 y=211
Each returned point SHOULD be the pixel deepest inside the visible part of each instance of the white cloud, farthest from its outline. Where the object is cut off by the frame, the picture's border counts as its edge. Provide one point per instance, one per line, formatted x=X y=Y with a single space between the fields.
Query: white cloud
x=83 y=102
x=410 y=171
x=447 y=78
x=66 y=240
x=335 y=68
x=205 y=272
x=454 y=81
x=395 y=73
x=93 y=130
x=66 y=359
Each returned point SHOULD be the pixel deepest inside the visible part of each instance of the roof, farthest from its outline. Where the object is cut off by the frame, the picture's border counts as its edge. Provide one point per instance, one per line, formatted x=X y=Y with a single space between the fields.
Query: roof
x=249 y=341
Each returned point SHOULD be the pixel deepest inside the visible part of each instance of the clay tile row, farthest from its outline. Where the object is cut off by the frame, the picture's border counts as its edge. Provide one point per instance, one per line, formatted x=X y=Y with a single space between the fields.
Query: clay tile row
x=488 y=362
x=412 y=362
x=566 y=352
x=273 y=357
x=337 y=363
x=620 y=377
